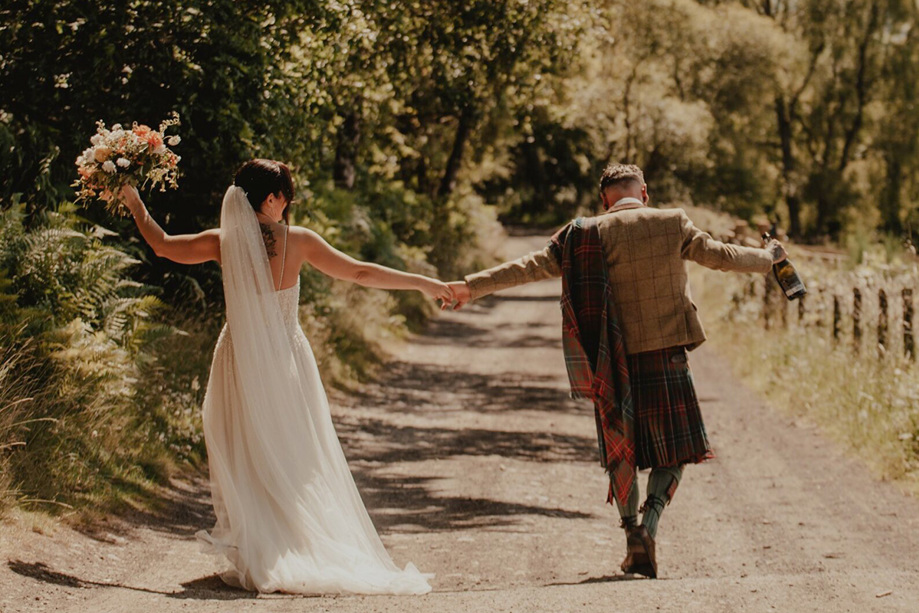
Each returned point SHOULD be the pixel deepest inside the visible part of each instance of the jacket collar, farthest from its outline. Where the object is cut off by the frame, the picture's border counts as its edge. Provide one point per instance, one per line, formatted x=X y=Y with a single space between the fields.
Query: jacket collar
x=625 y=204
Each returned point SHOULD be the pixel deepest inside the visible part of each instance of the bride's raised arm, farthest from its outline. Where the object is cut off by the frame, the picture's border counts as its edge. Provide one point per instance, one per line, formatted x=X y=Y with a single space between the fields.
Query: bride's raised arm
x=181 y=248
x=325 y=258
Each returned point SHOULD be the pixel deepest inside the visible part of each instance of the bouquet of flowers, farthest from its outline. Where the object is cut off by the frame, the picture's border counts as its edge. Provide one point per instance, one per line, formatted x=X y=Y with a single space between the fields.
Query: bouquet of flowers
x=136 y=156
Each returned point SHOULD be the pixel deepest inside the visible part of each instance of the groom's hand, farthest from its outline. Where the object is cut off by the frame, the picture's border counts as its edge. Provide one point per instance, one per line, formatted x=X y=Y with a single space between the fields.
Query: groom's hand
x=461 y=294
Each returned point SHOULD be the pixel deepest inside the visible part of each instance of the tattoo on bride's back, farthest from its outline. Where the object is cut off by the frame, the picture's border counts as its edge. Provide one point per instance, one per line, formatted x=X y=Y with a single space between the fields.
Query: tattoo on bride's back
x=270 y=240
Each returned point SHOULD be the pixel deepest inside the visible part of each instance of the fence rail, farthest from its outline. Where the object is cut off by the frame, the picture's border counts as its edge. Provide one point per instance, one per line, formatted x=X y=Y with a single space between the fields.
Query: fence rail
x=851 y=318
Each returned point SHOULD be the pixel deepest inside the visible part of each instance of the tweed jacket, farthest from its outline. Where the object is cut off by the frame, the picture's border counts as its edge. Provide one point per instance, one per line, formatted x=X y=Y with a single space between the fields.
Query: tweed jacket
x=646 y=251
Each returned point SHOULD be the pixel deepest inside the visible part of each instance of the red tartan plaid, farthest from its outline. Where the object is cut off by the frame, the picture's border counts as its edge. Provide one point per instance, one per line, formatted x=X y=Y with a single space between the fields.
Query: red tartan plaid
x=595 y=354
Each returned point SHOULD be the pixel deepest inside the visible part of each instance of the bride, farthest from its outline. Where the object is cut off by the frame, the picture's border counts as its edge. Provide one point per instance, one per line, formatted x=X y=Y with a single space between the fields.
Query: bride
x=289 y=516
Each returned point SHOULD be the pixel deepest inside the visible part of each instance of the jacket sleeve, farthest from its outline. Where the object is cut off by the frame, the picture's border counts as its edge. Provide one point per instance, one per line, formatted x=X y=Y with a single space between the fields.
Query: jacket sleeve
x=535 y=266
x=700 y=247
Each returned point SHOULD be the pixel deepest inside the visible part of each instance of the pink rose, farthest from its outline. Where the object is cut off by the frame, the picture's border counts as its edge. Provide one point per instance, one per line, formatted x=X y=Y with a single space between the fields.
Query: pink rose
x=101 y=154
x=154 y=140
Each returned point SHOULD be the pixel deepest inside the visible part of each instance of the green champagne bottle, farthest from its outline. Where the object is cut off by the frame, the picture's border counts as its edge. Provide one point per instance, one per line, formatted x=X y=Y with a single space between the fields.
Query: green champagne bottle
x=787 y=276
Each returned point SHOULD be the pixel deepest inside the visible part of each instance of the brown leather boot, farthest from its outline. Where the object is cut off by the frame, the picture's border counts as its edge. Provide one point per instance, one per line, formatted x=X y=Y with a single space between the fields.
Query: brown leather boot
x=637 y=560
x=640 y=559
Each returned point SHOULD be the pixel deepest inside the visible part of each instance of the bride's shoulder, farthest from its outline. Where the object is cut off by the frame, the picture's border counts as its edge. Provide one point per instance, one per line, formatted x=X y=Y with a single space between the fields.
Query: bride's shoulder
x=211 y=235
x=304 y=238
x=303 y=234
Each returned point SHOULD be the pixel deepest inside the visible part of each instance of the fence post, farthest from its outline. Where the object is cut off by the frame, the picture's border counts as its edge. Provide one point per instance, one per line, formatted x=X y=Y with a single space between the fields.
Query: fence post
x=856 y=318
x=882 y=322
x=836 y=317
x=909 y=341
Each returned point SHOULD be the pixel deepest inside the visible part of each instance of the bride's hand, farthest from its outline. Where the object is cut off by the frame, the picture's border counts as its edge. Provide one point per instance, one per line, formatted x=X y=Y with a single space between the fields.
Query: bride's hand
x=437 y=290
x=131 y=198
x=128 y=196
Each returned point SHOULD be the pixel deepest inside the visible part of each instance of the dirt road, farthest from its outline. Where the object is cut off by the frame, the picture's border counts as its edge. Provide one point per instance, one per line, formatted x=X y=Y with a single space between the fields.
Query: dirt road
x=476 y=466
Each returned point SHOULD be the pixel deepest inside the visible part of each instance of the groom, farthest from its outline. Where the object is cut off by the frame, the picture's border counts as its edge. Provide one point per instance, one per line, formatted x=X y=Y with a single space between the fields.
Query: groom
x=628 y=323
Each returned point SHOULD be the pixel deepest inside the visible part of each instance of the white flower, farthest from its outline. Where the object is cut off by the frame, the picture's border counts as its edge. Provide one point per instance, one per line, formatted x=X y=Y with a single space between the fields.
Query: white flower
x=116 y=127
x=117 y=134
x=108 y=166
x=123 y=162
x=160 y=150
x=87 y=155
x=96 y=139
x=174 y=140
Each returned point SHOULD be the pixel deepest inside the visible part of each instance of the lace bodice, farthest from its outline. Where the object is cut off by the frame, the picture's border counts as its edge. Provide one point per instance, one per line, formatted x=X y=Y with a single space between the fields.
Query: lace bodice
x=290 y=301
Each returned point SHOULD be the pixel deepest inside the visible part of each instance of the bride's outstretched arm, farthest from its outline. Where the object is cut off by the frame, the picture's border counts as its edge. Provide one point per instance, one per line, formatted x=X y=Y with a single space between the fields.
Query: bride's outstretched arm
x=181 y=248
x=329 y=260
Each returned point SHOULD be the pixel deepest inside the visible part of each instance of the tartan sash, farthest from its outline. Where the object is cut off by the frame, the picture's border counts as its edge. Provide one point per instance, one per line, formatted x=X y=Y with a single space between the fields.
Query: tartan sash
x=595 y=355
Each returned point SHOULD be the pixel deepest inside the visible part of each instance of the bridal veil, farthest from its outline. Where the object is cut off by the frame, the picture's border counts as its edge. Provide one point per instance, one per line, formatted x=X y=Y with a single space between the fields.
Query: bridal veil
x=289 y=516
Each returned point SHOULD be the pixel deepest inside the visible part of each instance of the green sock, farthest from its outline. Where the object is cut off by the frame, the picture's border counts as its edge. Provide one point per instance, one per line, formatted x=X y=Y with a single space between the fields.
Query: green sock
x=629 y=512
x=661 y=484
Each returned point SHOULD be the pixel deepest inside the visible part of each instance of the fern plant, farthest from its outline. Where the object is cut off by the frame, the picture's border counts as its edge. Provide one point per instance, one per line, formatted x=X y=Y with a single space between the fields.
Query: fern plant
x=75 y=331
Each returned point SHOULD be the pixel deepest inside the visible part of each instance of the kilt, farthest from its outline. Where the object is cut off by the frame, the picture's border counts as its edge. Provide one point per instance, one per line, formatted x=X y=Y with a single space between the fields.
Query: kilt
x=668 y=423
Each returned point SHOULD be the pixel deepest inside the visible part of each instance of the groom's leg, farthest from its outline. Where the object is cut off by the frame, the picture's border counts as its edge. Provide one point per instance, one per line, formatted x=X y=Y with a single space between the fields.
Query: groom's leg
x=629 y=512
x=662 y=483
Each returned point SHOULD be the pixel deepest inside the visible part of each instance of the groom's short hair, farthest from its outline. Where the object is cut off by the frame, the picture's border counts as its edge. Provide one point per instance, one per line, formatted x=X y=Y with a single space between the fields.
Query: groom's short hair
x=620 y=174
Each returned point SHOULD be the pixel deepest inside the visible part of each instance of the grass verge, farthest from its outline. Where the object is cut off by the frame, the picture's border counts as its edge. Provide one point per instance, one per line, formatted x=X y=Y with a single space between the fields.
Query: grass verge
x=867 y=402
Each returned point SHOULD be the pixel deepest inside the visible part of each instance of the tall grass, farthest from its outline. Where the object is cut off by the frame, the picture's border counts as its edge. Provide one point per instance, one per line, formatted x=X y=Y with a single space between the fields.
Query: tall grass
x=864 y=397
x=81 y=343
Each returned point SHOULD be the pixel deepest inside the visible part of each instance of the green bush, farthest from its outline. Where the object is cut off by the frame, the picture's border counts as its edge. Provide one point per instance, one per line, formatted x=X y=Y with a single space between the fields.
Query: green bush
x=78 y=338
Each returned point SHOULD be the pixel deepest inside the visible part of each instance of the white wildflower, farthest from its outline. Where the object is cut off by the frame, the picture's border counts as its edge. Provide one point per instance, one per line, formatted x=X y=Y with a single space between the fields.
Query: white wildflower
x=160 y=150
x=116 y=127
x=108 y=166
x=96 y=139
x=117 y=134
x=174 y=140
x=123 y=162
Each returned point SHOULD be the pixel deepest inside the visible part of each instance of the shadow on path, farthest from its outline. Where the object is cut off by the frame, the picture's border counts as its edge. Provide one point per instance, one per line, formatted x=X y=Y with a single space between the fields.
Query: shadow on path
x=205 y=588
x=402 y=501
x=374 y=440
x=530 y=335
x=409 y=387
x=183 y=508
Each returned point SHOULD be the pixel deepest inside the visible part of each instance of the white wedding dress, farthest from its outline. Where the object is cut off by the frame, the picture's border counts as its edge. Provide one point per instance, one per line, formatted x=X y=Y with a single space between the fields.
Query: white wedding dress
x=289 y=516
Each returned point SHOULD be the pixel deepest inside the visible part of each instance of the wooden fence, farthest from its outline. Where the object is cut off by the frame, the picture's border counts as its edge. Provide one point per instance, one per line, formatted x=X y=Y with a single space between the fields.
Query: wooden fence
x=888 y=323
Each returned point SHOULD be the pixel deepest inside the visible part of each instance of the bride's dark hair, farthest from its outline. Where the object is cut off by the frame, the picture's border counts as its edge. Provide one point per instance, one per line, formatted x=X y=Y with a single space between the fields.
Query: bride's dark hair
x=260 y=178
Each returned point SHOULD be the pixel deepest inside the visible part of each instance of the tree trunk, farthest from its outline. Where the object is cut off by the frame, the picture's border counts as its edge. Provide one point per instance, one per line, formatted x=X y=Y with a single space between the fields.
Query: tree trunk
x=349 y=136
x=891 y=195
x=789 y=185
x=463 y=129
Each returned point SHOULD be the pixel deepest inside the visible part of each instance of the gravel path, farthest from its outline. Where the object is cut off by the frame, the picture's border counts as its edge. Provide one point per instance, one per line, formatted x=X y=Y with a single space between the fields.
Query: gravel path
x=476 y=466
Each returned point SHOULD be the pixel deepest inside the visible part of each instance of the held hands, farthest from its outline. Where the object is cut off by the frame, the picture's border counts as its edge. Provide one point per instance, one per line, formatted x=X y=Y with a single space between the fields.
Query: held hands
x=437 y=290
x=461 y=294
x=455 y=293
